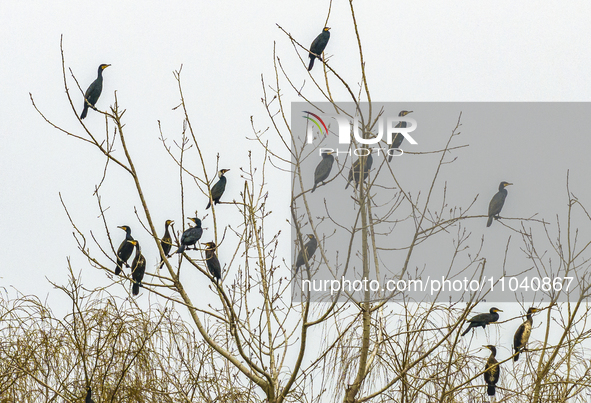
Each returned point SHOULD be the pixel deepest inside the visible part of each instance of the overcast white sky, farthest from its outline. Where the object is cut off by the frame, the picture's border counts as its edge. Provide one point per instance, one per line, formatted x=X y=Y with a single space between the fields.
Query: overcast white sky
x=414 y=51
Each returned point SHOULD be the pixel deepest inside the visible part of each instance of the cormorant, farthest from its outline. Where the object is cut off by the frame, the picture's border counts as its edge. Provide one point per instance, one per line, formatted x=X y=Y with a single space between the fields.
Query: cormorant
x=522 y=333
x=497 y=202
x=317 y=46
x=125 y=249
x=213 y=264
x=138 y=268
x=166 y=241
x=323 y=169
x=354 y=171
x=398 y=138
x=93 y=92
x=491 y=371
x=88 y=396
x=483 y=319
x=191 y=235
x=309 y=249
x=218 y=189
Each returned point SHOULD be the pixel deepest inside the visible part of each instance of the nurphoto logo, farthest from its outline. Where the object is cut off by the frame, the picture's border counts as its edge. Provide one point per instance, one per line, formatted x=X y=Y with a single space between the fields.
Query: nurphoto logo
x=400 y=125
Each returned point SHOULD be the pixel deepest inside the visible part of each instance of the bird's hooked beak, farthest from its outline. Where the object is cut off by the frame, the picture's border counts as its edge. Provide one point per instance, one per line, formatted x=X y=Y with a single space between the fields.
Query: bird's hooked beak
x=105 y=66
x=507 y=184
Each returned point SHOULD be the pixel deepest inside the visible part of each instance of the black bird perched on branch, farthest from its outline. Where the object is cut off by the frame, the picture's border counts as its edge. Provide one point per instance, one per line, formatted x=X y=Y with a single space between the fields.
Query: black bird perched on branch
x=191 y=235
x=166 y=241
x=491 y=371
x=323 y=169
x=93 y=92
x=497 y=202
x=354 y=172
x=523 y=332
x=398 y=138
x=125 y=249
x=318 y=45
x=483 y=319
x=138 y=268
x=88 y=396
x=218 y=189
x=213 y=264
x=308 y=251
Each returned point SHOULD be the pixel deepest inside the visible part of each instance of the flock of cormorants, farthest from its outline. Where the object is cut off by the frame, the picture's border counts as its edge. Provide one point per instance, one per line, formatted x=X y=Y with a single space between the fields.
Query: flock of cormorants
x=492 y=369
x=188 y=241
x=321 y=174
x=192 y=235
x=189 y=237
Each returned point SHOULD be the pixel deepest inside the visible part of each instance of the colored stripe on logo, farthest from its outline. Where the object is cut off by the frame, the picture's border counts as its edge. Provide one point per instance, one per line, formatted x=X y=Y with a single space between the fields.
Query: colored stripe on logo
x=316 y=123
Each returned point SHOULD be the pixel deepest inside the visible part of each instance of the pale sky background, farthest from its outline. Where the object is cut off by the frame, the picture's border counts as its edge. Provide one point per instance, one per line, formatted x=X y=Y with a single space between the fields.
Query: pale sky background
x=414 y=51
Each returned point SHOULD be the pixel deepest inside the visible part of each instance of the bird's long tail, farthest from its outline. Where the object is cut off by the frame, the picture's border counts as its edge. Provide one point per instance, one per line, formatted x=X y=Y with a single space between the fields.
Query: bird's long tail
x=84 y=111
x=490 y=220
x=314 y=188
x=118 y=268
x=208 y=204
x=517 y=355
x=181 y=249
x=467 y=330
x=311 y=62
x=135 y=289
x=490 y=390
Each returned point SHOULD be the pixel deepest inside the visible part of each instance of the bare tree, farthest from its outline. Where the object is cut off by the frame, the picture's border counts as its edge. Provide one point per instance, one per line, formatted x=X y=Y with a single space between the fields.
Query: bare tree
x=249 y=341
